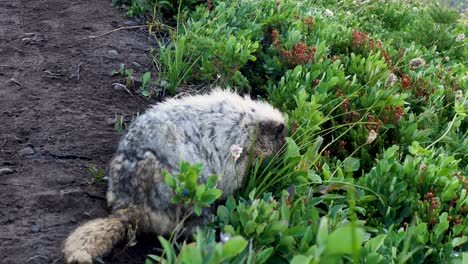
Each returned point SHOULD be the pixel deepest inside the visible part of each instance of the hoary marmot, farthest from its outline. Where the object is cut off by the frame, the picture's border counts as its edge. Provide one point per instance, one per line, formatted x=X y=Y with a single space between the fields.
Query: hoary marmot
x=197 y=129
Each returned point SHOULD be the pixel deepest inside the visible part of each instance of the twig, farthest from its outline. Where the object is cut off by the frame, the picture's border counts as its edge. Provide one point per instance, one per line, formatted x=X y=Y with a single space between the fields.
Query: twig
x=15 y=48
x=16 y=82
x=119 y=85
x=10 y=66
x=77 y=72
x=446 y=132
x=117 y=29
x=96 y=196
x=21 y=185
x=38 y=256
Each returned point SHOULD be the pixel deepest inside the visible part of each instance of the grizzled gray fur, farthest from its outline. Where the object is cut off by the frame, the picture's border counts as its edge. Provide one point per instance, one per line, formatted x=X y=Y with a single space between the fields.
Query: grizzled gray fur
x=197 y=129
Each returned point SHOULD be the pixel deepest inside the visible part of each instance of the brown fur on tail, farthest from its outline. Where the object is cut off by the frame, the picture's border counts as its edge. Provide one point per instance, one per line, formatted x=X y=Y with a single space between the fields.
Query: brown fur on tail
x=94 y=238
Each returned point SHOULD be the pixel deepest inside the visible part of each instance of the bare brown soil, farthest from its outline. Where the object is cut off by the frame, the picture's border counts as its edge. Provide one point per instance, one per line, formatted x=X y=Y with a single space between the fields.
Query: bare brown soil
x=57 y=102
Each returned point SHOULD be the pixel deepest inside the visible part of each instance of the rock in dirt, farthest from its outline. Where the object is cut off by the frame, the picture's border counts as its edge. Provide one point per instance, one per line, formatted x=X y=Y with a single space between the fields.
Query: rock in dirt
x=130 y=23
x=136 y=64
x=4 y=171
x=113 y=54
x=26 y=152
x=111 y=120
x=35 y=228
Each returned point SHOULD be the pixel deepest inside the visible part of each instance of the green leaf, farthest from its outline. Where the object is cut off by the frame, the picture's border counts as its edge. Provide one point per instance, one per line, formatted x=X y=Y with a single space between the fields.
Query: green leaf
x=280 y=226
x=351 y=164
x=223 y=214
x=296 y=231
x=170 y=181
x=340 y=241
x=211 y=181
x=306 y=239
x=168 y=250
x=287 y=241
x=145 y=93
x=326 y=171
x=375 y=243
x=145 y=79
x=314 y=178
x=191 y=254
x=231 y=203
x=197 y=209
x=249 y=227
x=459 y=241
x=322 y=234
x=264 y=255
x=293 y=149
x=209 y=196
x=301 y=259
x=233 y=247
x=374 y=258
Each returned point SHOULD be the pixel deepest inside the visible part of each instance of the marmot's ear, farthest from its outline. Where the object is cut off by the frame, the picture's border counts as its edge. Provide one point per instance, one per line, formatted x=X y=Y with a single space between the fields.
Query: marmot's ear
x=273 y=128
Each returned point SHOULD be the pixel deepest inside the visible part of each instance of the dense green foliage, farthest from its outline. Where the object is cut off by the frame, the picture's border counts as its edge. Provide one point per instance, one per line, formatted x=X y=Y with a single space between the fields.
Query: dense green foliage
x=375 y=93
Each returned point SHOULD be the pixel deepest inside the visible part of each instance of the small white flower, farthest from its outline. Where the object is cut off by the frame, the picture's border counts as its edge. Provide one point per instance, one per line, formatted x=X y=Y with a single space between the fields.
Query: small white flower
x=218 y=76
x=236 y=151
x=372 y=136
x=460 y=38
x=415 y=9
x=224 y=237
x=458 y=94
x=447 y=58
x=415 y=63
x=391 y=80
x=328 y=12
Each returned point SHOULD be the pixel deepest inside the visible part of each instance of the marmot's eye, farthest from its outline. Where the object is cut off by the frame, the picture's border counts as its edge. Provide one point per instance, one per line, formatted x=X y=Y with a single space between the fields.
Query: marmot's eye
x=280 y=129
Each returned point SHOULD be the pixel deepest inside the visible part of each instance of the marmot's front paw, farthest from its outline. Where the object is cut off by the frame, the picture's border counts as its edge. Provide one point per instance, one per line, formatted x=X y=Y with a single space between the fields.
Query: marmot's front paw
x=79 y=257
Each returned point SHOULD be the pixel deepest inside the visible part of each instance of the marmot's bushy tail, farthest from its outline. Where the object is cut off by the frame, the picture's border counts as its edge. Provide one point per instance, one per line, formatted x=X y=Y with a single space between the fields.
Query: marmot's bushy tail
x=94 y=238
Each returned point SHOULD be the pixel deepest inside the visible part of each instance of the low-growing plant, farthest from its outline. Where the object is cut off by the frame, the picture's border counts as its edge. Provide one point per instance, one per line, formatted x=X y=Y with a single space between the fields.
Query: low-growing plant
x=97 y=173
x=176 y=65
x=188 y=190
x=204 y=250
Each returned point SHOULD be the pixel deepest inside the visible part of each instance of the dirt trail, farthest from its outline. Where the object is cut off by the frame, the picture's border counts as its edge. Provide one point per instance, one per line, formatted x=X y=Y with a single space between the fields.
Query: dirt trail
x=56 y=103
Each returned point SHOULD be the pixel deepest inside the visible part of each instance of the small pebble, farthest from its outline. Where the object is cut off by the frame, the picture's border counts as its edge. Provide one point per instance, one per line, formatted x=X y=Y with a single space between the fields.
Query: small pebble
x=113 y=53
x=111 y=121
x=4 y=171
x=136 y=64
x=130 y=23
x=35 y=228
x=26 y=152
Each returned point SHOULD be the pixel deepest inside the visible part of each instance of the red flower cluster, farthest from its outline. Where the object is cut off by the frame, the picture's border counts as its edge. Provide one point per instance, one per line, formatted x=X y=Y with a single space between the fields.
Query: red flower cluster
x=276 y=40
x=405 y=81
x=359 y=38
x=424 y=89
x=376 y=124
x=432 y=200
x=300 y=54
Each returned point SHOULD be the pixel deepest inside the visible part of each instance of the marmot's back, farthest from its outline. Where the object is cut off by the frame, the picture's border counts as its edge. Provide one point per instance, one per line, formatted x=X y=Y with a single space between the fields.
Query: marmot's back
x=198 y=129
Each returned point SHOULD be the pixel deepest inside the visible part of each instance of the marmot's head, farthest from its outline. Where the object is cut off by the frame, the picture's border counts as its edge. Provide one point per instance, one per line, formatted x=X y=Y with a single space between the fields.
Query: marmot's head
x=270 y=129
x=271 y=136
